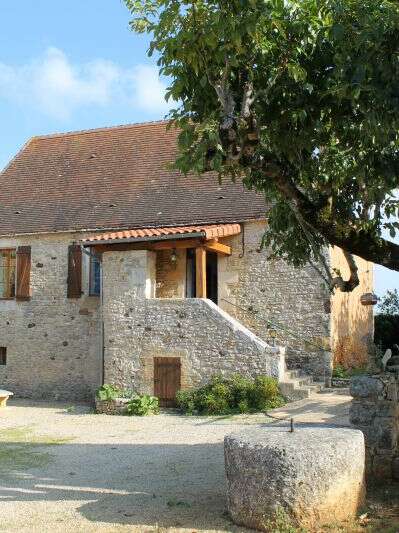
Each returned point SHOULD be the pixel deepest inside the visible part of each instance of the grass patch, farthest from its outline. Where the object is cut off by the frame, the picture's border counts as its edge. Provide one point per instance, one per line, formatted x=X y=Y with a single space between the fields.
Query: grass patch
x=22 y=449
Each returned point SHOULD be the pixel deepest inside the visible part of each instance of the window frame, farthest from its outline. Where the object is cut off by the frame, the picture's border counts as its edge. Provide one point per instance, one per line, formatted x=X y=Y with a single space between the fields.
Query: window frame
x=93 y=260
x=3 y=355
x=10 y=249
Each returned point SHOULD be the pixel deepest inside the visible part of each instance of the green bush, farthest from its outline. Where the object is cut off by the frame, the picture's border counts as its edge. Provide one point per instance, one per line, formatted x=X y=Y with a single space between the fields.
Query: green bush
x=108 y=392
x=142 y=405
x=235 y=394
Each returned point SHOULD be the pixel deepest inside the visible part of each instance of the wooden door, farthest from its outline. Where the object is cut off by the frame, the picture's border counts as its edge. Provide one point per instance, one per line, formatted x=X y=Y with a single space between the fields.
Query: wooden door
x=167 y=379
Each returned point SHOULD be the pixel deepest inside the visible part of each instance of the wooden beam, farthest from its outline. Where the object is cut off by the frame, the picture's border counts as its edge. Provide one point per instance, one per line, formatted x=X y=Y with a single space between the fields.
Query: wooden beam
x=200 y=278
x=219 y=248
x=148 y=245
x=179 y=243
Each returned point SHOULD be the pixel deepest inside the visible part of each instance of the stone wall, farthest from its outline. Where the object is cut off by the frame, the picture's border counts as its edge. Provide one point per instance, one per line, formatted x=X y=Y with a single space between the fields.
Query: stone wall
x=170 y=277
x=352 y=324
x=375 y=411
x=256 y=290
x=53 y=343
x=207 y=340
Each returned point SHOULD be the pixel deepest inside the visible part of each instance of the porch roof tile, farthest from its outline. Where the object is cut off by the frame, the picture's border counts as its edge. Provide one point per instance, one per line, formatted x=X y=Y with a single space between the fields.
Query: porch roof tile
x=207 y=232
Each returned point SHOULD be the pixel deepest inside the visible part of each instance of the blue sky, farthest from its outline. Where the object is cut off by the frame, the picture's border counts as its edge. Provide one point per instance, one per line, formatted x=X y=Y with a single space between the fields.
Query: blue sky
x=76 y=65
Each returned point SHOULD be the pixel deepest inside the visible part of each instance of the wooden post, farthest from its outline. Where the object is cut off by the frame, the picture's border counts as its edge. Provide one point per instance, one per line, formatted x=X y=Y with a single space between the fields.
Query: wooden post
x=200 y=263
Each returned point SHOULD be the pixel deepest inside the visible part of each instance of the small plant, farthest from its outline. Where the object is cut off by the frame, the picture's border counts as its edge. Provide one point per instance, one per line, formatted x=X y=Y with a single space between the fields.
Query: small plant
x=340 y=372
x=108 y=392
x=142 y=405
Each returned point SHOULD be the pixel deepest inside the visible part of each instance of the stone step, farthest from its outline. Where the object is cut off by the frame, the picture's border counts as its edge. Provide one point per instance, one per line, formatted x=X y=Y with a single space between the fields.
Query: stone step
x=292 y=374
x=293 y=393
x=298 y=386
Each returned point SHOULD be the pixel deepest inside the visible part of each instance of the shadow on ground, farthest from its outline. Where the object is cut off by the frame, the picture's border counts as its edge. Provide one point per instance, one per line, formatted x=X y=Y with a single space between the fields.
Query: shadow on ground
x=131 y=484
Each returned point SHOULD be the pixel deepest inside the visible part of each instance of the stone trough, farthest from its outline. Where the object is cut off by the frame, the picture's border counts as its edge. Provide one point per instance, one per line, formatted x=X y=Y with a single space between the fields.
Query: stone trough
x=311 y=477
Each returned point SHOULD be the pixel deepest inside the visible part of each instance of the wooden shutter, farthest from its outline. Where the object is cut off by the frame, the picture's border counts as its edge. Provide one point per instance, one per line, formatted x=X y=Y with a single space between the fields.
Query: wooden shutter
x=74 y=272
x=23 y=273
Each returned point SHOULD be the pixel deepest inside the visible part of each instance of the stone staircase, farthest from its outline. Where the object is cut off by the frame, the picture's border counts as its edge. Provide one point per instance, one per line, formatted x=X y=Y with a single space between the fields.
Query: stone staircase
x=298 y=386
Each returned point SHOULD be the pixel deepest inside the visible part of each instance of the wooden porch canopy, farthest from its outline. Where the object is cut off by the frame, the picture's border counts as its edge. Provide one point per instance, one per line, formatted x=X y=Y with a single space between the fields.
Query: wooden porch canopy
x=202 y=238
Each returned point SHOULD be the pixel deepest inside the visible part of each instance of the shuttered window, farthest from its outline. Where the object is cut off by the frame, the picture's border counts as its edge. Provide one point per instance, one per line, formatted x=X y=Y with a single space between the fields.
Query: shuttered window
x=7 y=273
x=74 y=289
x=23 y=273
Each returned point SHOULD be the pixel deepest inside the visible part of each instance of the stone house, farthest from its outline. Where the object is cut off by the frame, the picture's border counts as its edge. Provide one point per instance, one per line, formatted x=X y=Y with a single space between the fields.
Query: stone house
x=114 y=268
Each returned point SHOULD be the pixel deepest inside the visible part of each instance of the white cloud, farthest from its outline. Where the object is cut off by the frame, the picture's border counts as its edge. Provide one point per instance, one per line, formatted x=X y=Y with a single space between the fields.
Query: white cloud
x=58 y=87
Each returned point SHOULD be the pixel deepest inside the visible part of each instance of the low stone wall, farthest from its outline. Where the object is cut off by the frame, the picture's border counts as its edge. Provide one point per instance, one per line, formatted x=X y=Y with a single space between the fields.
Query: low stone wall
x=112 y=407
x=375 y=411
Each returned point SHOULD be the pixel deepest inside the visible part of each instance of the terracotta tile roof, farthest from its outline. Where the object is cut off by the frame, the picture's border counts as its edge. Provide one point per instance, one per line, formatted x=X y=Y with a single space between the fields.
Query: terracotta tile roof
x=207 y=232
x=113 y=178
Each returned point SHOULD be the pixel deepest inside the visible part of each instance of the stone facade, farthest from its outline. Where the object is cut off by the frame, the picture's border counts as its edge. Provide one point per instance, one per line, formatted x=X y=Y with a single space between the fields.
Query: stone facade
x=53 y=343
x=170 y=275
x=138 y=328
x=375 y=411
x=256 y=290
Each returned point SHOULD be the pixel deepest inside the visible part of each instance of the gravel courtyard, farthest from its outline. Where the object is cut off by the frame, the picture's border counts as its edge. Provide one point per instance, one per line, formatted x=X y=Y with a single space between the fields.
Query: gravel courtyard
x=65 y=469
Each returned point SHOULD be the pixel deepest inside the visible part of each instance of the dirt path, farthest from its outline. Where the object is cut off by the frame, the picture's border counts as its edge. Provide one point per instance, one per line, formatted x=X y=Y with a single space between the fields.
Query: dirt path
x=66 y=470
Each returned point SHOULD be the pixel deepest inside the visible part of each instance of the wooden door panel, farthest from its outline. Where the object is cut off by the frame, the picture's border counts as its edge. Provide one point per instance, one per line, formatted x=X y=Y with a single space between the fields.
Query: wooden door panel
x=167 y=379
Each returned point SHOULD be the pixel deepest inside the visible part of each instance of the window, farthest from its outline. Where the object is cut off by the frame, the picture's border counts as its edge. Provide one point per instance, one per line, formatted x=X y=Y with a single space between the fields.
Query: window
x=95 y=276
x=7 y=273
x=3 y=355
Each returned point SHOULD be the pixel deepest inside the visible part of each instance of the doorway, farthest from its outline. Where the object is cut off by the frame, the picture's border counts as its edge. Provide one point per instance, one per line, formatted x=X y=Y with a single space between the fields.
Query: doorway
x=211 y=275
x=167 y=380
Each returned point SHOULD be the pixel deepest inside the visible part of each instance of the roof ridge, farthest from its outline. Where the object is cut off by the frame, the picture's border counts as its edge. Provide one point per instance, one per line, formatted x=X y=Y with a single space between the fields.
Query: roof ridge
x=99 y=130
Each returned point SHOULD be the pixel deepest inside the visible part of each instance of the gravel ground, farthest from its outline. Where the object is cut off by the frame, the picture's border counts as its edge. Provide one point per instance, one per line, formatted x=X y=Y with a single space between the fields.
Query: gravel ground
x=65 y=469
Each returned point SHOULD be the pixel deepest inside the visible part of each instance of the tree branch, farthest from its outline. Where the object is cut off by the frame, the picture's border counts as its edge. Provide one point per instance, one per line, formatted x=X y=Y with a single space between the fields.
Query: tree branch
x=353 y=281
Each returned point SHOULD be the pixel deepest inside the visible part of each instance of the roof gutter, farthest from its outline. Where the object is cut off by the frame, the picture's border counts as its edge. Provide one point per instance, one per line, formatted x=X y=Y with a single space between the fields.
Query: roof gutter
x=172 y=237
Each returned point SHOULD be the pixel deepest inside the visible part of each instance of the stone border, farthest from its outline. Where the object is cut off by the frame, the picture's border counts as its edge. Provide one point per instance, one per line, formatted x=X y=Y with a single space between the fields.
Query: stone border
x=112 y=407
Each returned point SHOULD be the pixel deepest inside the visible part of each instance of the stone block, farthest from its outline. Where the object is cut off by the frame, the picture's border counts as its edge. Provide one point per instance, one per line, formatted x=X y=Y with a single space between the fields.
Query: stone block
x=366 y=387
x=307 y=475
x=362 y=413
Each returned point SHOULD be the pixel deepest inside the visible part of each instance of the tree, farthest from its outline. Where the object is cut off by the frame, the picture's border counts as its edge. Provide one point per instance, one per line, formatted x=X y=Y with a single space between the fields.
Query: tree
x=386 y=322
x=389 y=304
x=300 y=100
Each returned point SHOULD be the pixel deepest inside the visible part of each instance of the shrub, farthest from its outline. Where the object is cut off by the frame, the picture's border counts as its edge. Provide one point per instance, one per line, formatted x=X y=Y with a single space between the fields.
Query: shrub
x=142 y=405
x=235 y=394
x=185 y=399
x=108 y=392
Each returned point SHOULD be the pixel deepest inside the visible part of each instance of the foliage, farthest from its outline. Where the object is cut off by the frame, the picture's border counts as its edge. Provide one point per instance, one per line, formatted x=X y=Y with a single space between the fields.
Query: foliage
x=235 y=394
x=142 y=405
x=386 y=322
x=389 y=303
x=341 y=372
x=386 y=331
x=108 y=392
x=299 y=99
